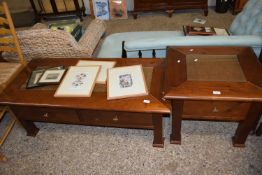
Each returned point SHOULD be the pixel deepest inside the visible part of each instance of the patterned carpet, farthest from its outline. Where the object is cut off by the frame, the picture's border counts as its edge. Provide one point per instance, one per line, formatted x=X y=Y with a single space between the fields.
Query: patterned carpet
x=84 y=150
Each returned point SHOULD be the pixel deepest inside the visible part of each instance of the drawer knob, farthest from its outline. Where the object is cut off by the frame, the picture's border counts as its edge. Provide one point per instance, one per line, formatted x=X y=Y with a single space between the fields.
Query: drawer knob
x=45 y=115
x=115 y=118
x=215 y=109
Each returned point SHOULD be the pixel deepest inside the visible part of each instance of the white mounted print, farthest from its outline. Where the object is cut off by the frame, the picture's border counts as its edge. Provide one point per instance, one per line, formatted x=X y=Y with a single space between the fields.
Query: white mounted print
x=127 y=81
x=78 y=82
x=105 y=65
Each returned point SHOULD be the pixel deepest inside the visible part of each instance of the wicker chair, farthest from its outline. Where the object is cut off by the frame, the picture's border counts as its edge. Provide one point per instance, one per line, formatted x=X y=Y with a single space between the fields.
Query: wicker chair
x=8 y=71
x=41 y=42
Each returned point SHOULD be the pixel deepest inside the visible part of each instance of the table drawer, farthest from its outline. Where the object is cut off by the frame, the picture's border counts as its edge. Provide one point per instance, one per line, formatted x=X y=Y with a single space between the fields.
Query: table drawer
x=117 y=119
x=46 y=114
x=215 y=110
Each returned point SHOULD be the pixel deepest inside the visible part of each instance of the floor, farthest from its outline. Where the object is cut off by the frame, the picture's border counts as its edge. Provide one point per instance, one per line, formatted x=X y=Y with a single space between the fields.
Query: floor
x=82 y=150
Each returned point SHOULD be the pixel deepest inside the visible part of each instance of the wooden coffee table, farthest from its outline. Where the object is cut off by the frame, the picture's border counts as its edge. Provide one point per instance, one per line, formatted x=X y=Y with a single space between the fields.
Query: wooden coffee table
x=39 y=104
x=214 y=83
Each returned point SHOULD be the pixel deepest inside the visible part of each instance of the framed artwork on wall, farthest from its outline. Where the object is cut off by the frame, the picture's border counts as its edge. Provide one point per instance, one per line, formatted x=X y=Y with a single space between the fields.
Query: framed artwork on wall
x=118 y=9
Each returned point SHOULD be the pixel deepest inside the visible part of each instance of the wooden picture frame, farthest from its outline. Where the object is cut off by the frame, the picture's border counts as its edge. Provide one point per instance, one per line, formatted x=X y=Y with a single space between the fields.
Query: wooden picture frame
x=51 y=76
x=105 y=65
x=118 y=9
x=79 y=81
x=127 y=81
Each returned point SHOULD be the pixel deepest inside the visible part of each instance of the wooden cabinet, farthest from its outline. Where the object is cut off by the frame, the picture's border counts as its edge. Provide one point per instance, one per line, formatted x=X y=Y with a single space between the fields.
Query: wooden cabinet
x=168 y=5
x=238 y=6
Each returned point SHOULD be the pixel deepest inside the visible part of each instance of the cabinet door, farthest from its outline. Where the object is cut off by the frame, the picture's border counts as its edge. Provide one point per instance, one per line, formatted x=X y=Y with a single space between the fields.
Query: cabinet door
x=150 y=4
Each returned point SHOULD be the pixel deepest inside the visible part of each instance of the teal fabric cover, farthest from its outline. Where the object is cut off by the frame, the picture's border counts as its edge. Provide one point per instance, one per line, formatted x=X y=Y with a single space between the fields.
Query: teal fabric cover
x=162 y=43
x=249 y=21
x=246 y=30
x=112 y=45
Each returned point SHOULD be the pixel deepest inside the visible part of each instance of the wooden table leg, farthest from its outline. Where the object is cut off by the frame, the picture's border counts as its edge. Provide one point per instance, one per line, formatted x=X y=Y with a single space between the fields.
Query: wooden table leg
x=245 y=126
x=30 y=127
x=135 y=15
x=177 y=112
x=170 y=13
x=259 y=130
x=206 y=12
x=158 y=131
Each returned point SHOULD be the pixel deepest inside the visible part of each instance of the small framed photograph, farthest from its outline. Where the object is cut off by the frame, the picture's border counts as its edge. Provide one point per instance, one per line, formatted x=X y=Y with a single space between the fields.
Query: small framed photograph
x=105 y=65
x=36 y=74
x=101 y=9
x=128 y=81
x=118 y=9
x=78 y=82
x=51 y=76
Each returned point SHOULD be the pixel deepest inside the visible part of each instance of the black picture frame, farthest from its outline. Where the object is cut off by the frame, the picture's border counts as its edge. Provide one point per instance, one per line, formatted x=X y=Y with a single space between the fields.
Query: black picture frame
x=32 y=82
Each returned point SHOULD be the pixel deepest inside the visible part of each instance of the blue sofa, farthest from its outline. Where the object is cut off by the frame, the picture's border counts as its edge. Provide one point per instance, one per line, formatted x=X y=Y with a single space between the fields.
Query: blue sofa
x=245 y=30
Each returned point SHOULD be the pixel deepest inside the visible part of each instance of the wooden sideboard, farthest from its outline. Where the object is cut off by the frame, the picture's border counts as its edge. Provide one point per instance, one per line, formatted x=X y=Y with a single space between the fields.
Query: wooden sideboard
x=168 y=5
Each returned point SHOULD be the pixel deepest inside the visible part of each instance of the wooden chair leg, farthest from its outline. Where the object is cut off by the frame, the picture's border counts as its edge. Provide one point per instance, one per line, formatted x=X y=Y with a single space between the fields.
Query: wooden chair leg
x=9 y=128
x=7 y=131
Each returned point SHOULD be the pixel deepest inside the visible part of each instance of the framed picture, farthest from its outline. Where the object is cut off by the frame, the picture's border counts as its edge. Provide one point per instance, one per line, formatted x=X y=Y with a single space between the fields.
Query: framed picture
x=36 y=74
x=51 y=76
x=128 y=81
x=105 y=65
x=101 y=9
x=78 y=82
x=118 y=9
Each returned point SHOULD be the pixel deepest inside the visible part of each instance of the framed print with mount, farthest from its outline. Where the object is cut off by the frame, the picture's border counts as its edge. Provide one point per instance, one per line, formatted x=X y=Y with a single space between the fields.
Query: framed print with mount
x=36 y=75
x=101 y=9
x=127 y=81
x=105 y=65
x=78 y=82
x=51 y=76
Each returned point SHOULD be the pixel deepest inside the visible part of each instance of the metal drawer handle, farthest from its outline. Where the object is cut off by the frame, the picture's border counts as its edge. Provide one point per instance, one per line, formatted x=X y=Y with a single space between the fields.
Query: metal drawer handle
x=45 y=115
x=115 y=118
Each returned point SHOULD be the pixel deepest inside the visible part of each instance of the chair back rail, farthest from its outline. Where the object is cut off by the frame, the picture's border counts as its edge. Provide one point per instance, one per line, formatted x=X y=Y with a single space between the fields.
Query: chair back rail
x=9 y=41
